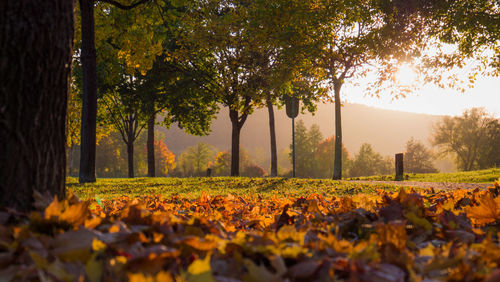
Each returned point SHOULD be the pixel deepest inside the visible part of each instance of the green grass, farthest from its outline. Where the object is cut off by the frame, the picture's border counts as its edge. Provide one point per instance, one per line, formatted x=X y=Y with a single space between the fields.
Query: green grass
x=477 y=176
x=107 y=188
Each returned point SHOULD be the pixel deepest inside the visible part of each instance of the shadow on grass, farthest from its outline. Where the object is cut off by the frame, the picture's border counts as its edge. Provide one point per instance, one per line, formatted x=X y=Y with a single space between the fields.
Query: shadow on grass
x=272 y=185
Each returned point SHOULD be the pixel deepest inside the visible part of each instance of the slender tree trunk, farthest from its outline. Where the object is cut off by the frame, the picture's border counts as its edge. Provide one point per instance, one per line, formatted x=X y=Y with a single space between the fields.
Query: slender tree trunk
x=130 y=158
x=151 y=146
x=70 y=159
x=89 y=97
x=337 y=165
x=272 y=131
x=235 y=143
x=36 y=40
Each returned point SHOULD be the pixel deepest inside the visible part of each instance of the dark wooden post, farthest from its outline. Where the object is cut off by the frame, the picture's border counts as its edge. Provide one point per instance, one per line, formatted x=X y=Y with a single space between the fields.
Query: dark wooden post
x=399 y=167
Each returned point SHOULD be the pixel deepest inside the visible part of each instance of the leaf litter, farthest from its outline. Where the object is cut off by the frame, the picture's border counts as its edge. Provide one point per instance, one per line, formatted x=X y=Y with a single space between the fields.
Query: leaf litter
x=410 y=235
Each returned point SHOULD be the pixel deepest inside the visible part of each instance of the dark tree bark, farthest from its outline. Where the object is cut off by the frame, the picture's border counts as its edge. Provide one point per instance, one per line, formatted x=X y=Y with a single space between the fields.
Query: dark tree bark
x=130 y=159
x=151 y=146
x=89 y=97
x=272 y=131
x=237 y=123
x=337 y=165
x=36 y=40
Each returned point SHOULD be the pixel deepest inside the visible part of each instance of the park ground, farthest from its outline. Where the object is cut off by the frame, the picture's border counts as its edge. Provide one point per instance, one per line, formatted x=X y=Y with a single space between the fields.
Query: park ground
x=259 y=229
x=107 y=188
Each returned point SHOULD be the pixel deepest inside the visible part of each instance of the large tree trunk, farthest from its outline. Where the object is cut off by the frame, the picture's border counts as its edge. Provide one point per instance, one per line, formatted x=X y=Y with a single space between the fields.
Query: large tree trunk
x=89 y=97
x=130 y=158
x=36 y=40
x=151 y=146
x=272 y=131
x=235 y=143
x=337 y=165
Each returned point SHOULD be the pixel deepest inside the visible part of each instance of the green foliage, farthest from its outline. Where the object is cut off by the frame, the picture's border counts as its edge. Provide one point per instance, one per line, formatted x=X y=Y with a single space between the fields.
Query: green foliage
x=472 y=138
x=314 y=156
x=368 y=162
x=195 y=160
x=324 y=157
x=222 y=164
x=417 y=158
x=306 y=145
x=473 y=26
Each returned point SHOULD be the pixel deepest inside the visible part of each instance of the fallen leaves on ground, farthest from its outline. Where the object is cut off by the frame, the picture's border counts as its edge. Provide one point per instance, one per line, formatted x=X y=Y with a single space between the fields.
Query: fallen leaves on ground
x=423 y=235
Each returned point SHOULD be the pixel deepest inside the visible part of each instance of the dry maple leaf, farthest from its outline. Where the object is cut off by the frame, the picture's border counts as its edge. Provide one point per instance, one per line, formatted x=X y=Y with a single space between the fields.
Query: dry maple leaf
x=487 y=211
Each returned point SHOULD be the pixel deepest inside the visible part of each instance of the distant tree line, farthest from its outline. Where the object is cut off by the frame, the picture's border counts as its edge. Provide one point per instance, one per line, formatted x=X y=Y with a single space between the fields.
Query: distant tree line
x=112 y=160
x=314 y=157
x=473 y=139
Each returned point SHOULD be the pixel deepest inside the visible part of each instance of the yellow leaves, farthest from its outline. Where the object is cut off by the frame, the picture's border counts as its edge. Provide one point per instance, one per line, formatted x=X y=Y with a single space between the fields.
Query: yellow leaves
x=98 y=245
x=199 y=244
x=73 y=213
x=200 y=270
x=424 y=234
x=340 y=246
x=487 y=210
x=161 y=276
x=392 y=233
x=289 y=233
x=199 y=266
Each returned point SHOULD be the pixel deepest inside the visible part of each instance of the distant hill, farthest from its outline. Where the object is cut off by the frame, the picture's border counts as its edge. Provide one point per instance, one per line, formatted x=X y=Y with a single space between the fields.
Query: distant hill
x=386 y=130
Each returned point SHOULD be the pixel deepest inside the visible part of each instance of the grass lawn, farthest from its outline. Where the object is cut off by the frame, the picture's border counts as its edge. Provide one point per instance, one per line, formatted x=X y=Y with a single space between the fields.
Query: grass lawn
x=107 y=188
x=477 y=176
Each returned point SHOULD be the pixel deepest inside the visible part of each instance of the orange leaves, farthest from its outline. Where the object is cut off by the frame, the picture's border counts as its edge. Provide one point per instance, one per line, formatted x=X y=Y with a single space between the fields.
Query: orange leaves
x=392 y=233
x=487 y=210
x=69 y=210
x=413 y=235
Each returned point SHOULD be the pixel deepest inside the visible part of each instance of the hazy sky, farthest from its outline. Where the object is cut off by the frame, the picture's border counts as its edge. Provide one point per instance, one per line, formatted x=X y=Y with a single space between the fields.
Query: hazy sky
x=431 y=99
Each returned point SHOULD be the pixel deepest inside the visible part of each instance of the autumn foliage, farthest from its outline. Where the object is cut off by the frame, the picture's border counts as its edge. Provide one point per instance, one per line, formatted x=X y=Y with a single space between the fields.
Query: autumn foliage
x=165 y=159
x=408 y=235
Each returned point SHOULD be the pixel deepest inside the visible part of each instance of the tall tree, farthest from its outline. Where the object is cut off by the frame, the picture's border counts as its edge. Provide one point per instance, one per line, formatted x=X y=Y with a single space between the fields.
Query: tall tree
x=490 y=155
x=367 y=162
x=139 y=80
x=353 y=35
x=195 y=160
x=35 y=50
x=306 y=145
x=465 y=136
x=89 y=83
x=224 y=29
x=124 y=111
x=324 y=154
x=417 y=158
x=284 y=29
x=272 y=134
x=246 y=56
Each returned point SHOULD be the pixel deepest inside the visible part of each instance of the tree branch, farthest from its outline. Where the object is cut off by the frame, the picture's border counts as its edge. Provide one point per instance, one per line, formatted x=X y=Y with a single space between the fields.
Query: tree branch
x=125 y=7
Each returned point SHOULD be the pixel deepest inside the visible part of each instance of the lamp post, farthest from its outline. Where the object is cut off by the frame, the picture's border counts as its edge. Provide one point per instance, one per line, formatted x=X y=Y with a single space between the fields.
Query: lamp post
x=292 y=111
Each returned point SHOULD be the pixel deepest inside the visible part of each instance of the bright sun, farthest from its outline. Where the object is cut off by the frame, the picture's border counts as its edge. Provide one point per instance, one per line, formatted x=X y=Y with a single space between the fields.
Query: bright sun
x=406 y=75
